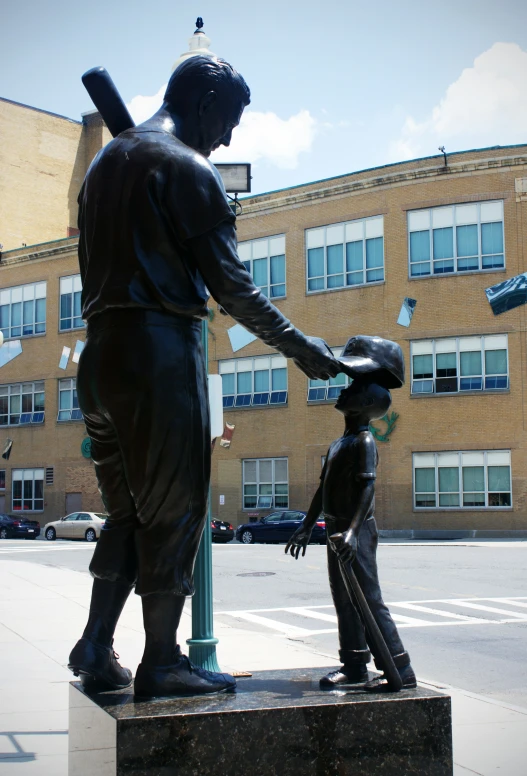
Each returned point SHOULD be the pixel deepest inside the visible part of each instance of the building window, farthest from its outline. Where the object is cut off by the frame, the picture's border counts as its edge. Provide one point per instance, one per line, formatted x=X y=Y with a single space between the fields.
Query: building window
x=457 y=238
x=68 y=402
x=265 y=483
x=21 y=403
x=462 y=480
x=2 y=479
x=28 y=490
x=70 y=303
x=254 y=381
x=23 y=310
x=460 y=364
x=348 y=254
x=265 y=260
x=328 y=390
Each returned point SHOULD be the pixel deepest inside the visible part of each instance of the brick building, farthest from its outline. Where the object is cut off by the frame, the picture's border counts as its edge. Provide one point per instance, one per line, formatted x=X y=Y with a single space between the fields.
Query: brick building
x=338 y=257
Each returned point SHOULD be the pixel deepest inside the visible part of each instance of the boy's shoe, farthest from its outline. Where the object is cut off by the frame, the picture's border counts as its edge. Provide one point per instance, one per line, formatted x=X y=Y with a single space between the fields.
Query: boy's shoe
x=380 y=683
x=356 y=673
x=97 y=666
x=180 y=678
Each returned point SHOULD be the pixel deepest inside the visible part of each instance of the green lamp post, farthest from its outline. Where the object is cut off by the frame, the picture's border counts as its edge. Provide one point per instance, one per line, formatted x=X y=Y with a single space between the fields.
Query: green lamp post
x=202 y=645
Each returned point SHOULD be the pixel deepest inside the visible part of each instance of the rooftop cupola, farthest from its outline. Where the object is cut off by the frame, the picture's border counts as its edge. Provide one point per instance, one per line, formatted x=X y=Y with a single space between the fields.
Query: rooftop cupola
x=198 y=45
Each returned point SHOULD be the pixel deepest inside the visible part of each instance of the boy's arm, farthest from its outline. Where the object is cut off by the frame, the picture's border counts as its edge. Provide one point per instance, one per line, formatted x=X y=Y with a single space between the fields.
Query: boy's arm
x=300 y=539
x=346 y=544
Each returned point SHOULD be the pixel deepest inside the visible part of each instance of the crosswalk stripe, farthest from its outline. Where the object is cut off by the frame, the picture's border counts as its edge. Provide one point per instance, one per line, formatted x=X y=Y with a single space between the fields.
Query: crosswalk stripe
x=438 y=612
x=304 y=612
x=273 y=624
x=482 y=608
x=404 y=619
x=508 y=602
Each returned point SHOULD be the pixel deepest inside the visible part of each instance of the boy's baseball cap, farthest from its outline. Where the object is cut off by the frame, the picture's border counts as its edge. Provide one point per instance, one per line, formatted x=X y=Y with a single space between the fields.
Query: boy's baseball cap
x=378 y=358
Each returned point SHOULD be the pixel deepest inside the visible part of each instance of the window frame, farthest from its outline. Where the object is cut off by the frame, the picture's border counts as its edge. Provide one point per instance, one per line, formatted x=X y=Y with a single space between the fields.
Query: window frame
x=269 y=398
x=454 y=226
x=248 y=246
x=75 y=412
x=24 y=294
x=345 y=272
x=24 y=479
x=76 y=289
x=461 y=491
x=36 y=416
x=258 y=482
x=458 y=377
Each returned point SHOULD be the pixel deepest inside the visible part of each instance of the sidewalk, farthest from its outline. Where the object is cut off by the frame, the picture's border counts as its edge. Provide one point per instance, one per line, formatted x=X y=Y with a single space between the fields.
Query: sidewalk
x=43 y=610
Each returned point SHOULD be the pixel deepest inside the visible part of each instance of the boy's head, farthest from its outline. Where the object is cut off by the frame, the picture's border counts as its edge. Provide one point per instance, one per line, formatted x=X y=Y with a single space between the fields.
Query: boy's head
x=364 y=399
x=381 y=361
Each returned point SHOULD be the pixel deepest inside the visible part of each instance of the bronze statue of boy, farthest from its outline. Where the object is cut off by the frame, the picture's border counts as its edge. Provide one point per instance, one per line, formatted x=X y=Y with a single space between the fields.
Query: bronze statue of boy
x=346 y=497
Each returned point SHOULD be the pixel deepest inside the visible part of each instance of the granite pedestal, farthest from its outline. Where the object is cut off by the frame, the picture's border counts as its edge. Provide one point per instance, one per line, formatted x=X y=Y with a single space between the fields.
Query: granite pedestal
x=278 y=723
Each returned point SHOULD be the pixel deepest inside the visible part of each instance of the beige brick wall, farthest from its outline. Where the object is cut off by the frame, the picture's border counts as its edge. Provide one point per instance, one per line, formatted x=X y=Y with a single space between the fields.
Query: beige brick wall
x=43 y=160
x=52 y=443
x=446 y=306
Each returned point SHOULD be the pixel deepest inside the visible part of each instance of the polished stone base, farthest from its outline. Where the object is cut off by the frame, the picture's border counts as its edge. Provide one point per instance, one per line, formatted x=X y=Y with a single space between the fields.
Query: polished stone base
x=278 y=723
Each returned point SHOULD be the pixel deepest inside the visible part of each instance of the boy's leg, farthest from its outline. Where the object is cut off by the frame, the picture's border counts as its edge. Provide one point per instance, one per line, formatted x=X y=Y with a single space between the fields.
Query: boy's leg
x=354 y=653
x=365 y=567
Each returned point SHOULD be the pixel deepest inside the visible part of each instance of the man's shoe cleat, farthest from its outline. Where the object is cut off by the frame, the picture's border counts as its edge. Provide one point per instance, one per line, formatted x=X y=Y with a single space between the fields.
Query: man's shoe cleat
x=182 y=678
x=97 y=667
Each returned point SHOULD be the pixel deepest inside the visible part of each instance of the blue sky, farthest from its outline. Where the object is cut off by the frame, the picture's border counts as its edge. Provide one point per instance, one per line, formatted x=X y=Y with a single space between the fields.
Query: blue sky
x=336 y=86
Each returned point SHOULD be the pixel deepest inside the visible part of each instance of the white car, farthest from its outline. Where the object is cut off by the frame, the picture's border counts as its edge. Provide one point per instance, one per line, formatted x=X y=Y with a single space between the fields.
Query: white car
x=78 y=525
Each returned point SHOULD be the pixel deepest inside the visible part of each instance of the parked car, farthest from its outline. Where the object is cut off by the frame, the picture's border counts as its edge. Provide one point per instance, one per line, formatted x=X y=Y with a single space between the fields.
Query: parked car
x=278 y=527
x=221 y=531
x=13 y=527
x=78 y=525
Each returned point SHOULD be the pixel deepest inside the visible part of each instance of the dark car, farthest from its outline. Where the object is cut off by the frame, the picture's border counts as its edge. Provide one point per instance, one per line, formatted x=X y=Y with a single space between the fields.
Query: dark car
x=279 y=527
x=18 y=527
x=221 y=531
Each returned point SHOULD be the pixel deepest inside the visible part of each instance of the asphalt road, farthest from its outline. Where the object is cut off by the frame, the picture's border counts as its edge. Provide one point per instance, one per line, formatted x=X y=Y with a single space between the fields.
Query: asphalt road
x=461 y=607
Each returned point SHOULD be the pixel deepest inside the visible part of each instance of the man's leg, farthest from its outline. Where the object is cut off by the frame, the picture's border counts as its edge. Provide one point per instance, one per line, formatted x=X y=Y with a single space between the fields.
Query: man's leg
x=365 y=567
x=354 y=653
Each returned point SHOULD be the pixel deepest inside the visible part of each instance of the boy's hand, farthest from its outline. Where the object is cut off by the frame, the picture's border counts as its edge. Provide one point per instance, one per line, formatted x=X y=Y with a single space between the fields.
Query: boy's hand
x=345 y=545
x=298 y=541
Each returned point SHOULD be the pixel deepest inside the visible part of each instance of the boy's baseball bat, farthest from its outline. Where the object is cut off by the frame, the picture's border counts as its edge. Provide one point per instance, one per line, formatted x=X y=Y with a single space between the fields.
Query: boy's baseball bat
x=107 y=100
x=356 y=595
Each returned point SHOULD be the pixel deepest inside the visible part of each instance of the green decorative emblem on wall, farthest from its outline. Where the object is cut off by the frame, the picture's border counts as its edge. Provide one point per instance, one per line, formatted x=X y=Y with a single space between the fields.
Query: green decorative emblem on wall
x=390 y=421
x=86 y=447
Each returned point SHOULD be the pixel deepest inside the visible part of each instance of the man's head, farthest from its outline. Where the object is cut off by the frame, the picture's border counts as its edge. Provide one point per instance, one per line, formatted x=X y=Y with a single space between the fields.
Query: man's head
x=208 y=97
x=365 y=400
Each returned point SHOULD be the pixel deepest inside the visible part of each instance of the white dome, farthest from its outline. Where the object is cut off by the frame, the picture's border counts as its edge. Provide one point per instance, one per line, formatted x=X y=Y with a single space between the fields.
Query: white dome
x=198 y=45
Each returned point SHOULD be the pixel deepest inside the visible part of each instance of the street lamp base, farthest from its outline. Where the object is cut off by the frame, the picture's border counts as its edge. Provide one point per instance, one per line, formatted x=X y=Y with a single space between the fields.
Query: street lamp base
x=202 y=652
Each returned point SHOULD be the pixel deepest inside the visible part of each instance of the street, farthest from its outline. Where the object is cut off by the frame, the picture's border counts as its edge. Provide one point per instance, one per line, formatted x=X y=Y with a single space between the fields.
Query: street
x=461 y=606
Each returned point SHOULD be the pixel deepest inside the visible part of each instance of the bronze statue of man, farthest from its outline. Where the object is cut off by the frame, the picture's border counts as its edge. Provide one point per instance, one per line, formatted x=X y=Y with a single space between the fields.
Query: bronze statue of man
x=157 y=235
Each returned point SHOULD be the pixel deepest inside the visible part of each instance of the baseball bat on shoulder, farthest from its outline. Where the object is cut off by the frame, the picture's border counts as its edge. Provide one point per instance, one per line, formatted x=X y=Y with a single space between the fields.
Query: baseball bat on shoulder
x=107 y=100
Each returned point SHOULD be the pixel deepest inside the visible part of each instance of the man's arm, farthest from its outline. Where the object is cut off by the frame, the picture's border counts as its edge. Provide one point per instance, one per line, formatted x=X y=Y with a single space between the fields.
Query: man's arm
x=232 y=287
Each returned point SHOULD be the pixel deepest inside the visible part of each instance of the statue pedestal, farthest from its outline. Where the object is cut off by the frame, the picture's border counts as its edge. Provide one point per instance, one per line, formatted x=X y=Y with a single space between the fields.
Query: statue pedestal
x=278 y=723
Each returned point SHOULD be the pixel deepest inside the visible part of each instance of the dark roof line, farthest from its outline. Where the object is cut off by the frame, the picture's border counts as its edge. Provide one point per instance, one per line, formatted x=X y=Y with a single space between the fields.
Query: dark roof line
x=381 y=167
x=40 y=110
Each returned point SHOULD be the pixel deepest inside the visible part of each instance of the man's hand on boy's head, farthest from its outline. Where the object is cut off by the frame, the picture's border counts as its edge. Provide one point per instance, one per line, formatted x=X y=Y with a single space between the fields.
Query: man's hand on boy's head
x=345 y=545
x=298 y=541
x=316 y=360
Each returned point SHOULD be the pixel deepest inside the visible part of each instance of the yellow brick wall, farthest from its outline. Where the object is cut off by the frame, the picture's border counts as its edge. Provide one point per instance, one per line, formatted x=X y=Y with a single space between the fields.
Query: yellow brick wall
x=446 y=306
x=52 y=443
x=43 y=160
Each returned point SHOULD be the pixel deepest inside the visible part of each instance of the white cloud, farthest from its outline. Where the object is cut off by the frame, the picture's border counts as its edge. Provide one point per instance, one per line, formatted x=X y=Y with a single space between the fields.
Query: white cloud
x=260 y=136
x=485 y=106
x=265 y=136
x=141 y=108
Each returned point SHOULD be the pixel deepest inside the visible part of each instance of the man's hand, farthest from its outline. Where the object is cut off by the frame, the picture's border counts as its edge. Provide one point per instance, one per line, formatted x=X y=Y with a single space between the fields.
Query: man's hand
x=345 y=545
x=299 y=541
x=316 y=360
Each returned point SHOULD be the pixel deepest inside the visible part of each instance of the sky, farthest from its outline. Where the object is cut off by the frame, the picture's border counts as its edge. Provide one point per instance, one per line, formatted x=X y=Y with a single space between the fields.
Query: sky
x=336 y=87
